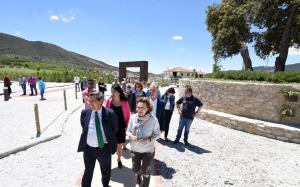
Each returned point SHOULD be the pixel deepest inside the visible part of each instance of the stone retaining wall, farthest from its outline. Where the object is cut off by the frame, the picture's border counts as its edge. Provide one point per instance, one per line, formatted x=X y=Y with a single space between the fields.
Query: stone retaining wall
x=261 y=101
x=257 y=127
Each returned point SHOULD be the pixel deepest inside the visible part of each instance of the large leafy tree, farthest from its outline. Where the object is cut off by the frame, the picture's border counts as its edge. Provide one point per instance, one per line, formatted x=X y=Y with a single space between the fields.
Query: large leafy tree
x=229 y=23
x=272 y=25
x=278 y=23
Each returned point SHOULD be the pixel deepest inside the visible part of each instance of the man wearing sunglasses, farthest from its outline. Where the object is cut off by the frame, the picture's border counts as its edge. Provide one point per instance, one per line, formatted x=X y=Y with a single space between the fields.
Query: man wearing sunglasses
x=98 y=139
x=86 y=92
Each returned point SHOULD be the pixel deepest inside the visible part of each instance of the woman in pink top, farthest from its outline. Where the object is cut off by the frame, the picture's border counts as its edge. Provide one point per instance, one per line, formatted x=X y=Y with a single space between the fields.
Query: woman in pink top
x=118 y=102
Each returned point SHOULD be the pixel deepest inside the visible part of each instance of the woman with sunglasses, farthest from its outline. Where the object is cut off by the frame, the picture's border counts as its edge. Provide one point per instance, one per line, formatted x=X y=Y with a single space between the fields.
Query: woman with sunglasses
x=136 y=94
x=143 y=130
x=118 y=102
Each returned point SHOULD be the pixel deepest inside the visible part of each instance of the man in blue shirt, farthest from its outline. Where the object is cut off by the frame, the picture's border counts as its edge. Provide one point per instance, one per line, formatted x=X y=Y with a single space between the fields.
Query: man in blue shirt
x=186 y=108
x=42 y=87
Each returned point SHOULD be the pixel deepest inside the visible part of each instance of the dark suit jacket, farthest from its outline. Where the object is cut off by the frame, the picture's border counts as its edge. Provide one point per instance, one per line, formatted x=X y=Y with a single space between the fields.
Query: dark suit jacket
x=110 y=128
x=160 y=113
x=133 y=101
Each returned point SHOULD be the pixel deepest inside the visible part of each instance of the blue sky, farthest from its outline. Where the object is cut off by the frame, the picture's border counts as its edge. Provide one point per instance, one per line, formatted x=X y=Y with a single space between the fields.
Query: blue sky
x=167 y=33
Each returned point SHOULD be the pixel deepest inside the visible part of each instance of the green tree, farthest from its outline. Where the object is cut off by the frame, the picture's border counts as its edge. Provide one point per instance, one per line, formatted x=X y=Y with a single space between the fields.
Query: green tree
x=272 y=25
x=278 y=23
x=230 y=24
x=217 y=67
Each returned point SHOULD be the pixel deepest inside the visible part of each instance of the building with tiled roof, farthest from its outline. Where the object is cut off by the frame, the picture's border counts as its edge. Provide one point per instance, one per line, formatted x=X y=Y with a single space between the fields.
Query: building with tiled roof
x=180 y=72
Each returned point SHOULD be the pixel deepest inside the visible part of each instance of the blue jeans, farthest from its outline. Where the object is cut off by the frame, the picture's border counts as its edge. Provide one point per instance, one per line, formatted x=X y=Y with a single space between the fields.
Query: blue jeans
x=186 y=124
x=42 y=91
x=23 y=88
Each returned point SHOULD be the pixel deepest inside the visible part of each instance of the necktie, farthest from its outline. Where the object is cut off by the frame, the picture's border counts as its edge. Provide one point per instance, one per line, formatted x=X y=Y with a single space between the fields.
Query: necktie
x=98 y=131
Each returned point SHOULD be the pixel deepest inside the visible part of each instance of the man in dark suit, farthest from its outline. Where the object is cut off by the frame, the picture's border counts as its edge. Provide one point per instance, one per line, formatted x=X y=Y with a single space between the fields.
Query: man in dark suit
x=98 y=140
x=158 y=106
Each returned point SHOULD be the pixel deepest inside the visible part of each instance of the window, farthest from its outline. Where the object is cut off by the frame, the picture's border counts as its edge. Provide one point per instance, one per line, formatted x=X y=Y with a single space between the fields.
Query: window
x=181 y=74
x=188 y=74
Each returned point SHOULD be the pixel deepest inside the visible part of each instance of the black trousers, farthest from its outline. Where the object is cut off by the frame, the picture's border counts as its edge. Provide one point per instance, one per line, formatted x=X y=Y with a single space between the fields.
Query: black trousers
x=33 y=87
x=90 y=154
x=141 y=165
x=168 y=116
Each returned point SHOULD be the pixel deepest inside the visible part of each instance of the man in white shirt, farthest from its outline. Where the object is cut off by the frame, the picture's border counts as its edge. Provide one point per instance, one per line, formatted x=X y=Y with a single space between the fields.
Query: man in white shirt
x=98 y=138
x=77 y=82
x=158 y=106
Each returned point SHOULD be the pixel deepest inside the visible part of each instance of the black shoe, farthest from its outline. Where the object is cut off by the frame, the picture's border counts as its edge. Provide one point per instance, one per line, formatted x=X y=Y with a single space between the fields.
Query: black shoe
x=120 y=165
x=139 y=179
x=176 y=142
x=187 y=143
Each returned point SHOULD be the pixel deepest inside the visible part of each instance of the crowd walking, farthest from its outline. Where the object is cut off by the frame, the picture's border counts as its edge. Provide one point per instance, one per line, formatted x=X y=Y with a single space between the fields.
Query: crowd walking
x=141 y=117
x=131 y=112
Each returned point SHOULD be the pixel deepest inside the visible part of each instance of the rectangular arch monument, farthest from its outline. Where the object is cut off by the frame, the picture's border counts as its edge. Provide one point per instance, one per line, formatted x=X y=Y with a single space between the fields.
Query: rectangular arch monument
x=143 y=65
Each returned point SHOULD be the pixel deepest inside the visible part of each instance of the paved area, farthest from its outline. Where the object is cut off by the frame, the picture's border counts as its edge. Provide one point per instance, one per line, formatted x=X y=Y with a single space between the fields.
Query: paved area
x=17 y=122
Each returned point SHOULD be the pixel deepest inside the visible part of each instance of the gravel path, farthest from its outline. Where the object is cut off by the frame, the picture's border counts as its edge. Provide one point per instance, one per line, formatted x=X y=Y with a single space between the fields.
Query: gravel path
x=220 y=156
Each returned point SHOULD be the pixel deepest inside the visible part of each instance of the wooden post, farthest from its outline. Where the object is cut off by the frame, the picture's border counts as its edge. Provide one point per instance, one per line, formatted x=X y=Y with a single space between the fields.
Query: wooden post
x=5 y=93
x=65 y=99
x=37 y=120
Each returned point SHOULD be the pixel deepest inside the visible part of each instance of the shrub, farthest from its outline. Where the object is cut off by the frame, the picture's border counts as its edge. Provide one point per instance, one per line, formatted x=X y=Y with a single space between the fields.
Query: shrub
x=163 y=82
x=278 y=77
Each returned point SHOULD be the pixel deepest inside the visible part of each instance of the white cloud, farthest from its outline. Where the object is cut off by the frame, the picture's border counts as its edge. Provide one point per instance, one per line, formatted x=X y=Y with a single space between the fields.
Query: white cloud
x=17 y=33
x=62 y=18
x=177 y=37
x=65 y=16
x=54 y=18
x=294 y=52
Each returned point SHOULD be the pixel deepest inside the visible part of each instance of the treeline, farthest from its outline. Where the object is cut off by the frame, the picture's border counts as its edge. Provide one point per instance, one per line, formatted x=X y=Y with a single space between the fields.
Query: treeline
x=13 y=68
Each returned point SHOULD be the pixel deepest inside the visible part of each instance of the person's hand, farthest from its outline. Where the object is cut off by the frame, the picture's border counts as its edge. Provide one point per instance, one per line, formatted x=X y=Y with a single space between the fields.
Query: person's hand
x=132 y=138
x=144 y=141
x=180 y=112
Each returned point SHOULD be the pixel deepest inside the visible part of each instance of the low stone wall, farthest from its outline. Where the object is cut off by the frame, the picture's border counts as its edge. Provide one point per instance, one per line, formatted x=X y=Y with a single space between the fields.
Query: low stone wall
x=261 y=101
x=257 y=127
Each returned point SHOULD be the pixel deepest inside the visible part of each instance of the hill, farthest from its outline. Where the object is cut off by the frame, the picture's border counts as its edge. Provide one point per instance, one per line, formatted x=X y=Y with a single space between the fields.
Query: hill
x=289 y=67
x=46 y=52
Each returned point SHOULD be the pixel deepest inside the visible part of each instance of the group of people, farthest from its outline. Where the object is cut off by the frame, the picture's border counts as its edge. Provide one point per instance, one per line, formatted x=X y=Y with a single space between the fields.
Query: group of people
x=140 y=115
x=84 y=84
x=31 y=81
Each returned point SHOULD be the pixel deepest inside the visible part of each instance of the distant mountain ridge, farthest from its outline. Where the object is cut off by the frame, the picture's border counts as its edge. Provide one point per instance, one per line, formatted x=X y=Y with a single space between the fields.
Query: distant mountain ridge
x=289 y=67
x=42 y=51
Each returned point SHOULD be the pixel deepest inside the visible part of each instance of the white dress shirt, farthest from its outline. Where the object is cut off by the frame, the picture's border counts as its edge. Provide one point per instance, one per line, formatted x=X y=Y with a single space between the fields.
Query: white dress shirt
x=92 y=139
x=154 y=103
x=168 y=104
